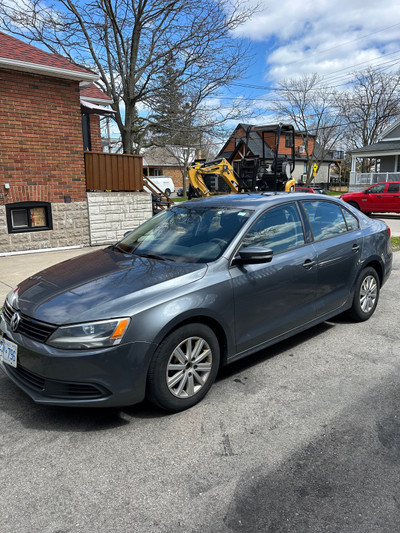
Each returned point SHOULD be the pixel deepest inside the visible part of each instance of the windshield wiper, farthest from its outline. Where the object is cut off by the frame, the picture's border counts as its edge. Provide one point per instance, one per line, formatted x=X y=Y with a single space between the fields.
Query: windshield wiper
x=155 y=256
x=115 y=246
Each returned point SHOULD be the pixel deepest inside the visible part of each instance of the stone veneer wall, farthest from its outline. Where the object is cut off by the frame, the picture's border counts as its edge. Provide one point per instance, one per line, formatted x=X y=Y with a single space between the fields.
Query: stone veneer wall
x=70 y=228
x=111 y=214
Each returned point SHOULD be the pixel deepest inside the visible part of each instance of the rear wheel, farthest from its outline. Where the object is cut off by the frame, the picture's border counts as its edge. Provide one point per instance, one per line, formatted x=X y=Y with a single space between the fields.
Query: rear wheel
x=183 y=367
x=366 y=295
x=168 y=192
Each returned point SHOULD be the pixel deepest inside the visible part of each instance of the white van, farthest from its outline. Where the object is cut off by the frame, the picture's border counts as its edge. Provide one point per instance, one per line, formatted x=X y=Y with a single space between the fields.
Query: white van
x=162 y=182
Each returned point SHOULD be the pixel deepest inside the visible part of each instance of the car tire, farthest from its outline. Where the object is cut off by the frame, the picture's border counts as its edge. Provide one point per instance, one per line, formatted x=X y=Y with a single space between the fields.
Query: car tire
x=168 y=192
x=183 y=368
x=366 y=295
x=354 y=204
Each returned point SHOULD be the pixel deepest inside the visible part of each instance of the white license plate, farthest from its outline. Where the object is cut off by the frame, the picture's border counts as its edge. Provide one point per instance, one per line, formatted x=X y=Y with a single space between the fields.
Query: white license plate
x=8 y=352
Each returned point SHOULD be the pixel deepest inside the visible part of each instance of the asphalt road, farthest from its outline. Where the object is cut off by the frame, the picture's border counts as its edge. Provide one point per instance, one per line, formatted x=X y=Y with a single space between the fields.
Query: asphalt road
x=302 y=438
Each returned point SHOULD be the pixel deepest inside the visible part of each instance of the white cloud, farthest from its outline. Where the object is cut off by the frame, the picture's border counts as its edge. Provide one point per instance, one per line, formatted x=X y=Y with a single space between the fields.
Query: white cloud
x=330 y=38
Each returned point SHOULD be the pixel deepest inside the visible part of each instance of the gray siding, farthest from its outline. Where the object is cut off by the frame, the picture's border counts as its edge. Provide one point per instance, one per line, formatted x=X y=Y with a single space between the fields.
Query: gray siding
x=388 y=164
x=395 y=134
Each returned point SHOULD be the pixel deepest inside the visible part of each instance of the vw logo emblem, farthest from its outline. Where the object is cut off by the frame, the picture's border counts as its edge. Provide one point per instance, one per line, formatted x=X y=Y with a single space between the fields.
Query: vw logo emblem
x=15 y=320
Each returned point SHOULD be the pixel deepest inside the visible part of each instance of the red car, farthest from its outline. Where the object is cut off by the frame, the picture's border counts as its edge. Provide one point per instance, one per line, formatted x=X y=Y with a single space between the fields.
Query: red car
x=309 y=189
x=379 y=198
x=304 y=189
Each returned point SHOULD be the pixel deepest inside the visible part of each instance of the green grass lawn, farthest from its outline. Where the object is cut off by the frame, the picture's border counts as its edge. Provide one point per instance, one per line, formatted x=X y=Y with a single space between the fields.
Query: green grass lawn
x=335 y=193
x=395 y=244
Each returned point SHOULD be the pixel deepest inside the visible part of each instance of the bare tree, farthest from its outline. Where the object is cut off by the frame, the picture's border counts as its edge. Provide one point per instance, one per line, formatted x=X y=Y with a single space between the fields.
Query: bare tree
x=129 y=43
x=309 y=106
x=369 y=106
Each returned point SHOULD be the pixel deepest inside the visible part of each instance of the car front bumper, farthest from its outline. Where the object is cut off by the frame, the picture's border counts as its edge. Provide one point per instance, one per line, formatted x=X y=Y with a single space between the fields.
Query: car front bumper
x=108 y=377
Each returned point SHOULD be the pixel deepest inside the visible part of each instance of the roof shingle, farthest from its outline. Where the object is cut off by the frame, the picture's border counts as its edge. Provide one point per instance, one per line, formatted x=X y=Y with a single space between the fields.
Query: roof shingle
x=17 y=50
x=92 y=91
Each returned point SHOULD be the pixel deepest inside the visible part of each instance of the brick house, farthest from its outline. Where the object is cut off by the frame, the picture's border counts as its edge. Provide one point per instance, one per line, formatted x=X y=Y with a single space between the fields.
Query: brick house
x=49 y=111
x=169 y=161
x=255 y=147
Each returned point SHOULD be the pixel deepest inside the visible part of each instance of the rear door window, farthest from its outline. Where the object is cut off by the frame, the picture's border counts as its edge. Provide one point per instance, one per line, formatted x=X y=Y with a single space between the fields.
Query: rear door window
x=326 y=219
x=393 y=187
x=351 y=220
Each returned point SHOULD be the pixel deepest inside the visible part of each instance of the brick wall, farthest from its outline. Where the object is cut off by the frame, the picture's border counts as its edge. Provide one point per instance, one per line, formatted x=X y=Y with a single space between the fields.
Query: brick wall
x=95 y=136
x=175 y=174
x=40 y=138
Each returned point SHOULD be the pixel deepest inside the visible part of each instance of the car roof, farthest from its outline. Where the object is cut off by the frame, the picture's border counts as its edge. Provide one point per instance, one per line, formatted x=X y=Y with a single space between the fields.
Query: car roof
x=250 y=201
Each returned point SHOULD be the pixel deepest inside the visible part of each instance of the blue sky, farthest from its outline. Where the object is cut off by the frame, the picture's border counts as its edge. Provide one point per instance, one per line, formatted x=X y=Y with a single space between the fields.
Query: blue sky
x=290 y=38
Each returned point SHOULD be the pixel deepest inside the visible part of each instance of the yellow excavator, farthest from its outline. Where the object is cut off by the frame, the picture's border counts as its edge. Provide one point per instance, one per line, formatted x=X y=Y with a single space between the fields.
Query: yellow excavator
x=244 y=171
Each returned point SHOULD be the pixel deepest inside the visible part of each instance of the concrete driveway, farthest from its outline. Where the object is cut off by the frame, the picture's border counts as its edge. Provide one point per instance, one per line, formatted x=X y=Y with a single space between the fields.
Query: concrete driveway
x=301 y=438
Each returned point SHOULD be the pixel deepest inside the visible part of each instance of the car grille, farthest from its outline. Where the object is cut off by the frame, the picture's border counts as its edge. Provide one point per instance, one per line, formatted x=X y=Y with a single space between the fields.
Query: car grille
x=57 y=389
x=34 y=329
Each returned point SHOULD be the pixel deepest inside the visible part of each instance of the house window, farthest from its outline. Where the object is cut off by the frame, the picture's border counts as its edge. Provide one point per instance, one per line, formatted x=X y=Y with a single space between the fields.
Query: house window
x=87 y=142
x=288 y=141
x=28 y=216
x=154 y=172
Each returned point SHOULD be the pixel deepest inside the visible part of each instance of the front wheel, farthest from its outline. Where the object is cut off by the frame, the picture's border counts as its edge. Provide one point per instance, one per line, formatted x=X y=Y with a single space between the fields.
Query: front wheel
x=183 y=367
x=354 y=204
x=366 y=295
x=167 y=192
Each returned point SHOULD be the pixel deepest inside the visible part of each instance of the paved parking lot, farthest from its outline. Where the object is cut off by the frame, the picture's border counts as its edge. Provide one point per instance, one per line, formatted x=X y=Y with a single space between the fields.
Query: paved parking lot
x=302 y=438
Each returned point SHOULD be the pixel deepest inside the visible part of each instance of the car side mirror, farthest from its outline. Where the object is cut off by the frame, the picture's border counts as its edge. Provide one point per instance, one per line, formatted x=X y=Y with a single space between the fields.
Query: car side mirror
x=251 y=255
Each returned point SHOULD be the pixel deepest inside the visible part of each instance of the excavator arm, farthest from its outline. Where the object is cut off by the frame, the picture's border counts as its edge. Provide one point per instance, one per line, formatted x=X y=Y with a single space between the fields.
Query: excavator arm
x=198 y=170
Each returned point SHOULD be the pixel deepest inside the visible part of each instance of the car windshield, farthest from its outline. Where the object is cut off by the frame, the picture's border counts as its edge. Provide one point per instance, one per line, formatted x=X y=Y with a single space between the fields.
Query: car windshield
x=186 y=233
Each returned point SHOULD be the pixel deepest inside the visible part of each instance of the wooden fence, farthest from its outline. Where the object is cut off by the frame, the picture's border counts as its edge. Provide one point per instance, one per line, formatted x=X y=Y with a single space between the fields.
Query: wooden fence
x=113 y=172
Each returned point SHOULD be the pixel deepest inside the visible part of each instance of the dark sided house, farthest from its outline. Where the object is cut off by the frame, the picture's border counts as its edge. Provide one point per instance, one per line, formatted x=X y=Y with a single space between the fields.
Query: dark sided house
x=256 y=148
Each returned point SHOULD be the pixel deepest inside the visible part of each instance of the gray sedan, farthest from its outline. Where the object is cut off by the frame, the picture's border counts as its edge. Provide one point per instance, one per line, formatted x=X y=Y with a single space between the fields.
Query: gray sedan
x=198 y=286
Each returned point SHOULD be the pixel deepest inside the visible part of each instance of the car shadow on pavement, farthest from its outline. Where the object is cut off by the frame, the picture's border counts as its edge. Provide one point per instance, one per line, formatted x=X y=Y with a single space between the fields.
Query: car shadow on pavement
x=86 y=419
x=268 y=353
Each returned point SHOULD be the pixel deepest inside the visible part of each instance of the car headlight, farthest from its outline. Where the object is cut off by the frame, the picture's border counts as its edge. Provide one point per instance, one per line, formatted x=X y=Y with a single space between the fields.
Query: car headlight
x=90 y=334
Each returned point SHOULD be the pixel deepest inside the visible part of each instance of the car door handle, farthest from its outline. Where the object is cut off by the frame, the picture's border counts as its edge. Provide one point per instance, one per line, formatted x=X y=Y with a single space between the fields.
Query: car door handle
x=308 y=264
x=355 y=248
x=379 y=196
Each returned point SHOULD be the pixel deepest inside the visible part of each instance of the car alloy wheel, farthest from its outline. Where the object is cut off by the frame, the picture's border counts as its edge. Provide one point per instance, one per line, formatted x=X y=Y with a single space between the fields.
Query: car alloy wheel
x=183 y=367
x=189 y=367
x=368 y=293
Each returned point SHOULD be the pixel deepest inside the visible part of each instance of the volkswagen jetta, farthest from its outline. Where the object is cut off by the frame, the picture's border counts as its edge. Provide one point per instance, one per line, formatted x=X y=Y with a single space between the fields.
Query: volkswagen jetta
x=195 y=287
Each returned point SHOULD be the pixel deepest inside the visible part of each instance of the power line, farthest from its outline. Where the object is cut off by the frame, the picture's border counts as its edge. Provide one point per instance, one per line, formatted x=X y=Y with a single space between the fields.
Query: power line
x=342 y=44
x=327 y=78
x=331 y=78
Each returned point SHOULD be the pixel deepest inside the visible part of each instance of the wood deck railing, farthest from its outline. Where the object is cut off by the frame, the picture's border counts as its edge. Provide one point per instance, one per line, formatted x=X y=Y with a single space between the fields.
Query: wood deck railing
x=113 y=172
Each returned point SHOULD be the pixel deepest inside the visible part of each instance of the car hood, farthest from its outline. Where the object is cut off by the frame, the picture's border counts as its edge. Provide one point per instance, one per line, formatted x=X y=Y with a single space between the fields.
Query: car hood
x=102 y=284
x=350 y=194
